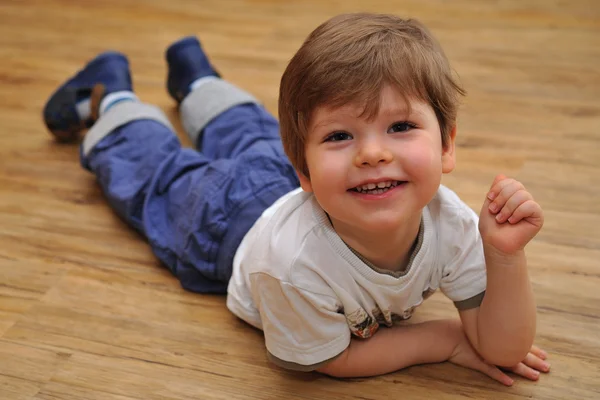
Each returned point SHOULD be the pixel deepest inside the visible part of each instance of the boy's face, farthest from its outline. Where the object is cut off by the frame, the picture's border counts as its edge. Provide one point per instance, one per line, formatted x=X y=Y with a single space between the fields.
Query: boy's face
x=375 y=176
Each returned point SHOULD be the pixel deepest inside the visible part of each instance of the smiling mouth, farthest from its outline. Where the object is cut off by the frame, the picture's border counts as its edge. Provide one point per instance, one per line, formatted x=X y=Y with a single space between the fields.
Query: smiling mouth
x=377 y=188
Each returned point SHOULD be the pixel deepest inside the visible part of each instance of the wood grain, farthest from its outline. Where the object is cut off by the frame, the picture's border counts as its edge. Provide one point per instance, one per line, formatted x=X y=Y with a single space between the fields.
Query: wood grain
x=87 y=312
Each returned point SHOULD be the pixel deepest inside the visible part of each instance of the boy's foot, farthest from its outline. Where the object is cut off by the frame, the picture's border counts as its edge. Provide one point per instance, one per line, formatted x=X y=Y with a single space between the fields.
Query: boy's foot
x=74 y=106
x=187 y=63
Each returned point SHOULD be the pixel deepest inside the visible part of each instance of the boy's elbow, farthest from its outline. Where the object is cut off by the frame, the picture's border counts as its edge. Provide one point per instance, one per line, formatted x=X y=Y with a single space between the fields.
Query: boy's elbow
x=506 y=350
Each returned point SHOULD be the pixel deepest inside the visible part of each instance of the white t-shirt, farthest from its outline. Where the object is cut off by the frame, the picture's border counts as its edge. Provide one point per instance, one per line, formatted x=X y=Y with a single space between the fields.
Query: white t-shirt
x=294 y=277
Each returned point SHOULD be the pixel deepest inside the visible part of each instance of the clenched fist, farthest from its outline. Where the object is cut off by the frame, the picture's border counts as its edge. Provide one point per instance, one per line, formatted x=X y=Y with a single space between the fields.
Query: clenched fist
x=510 y=217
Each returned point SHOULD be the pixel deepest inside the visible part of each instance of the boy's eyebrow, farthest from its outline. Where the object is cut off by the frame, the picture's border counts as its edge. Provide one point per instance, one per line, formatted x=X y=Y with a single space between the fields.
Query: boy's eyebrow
x=325 y=122
x=404 y=111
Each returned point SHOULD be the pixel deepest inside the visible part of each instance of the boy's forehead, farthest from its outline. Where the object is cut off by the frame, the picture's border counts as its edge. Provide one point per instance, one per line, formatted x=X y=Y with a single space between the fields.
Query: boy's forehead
x=391 y=103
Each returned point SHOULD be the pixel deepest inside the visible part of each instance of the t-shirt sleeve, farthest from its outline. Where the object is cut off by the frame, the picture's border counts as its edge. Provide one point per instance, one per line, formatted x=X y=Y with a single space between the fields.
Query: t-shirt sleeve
x=302 y=329
x=463 y=273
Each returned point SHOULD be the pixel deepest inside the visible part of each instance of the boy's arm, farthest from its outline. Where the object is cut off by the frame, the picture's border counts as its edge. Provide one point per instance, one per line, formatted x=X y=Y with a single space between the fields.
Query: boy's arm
x=391 y=349
x=305 y=329
x=503 y=327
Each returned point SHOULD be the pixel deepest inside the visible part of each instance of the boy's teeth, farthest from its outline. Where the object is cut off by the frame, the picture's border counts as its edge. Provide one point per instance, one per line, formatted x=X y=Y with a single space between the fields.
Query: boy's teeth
x=377 y=188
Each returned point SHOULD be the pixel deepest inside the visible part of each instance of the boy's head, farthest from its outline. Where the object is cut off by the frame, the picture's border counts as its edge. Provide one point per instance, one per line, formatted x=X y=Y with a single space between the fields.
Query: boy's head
x=350 y=59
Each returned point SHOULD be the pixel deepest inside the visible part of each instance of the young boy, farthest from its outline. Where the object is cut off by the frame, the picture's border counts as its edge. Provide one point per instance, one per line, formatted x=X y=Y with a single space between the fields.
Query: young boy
x=353 y=233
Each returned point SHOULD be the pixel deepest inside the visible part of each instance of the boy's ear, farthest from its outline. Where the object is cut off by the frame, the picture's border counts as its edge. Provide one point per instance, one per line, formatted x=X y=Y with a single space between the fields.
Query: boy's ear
x=448 y=153
x=304 y=182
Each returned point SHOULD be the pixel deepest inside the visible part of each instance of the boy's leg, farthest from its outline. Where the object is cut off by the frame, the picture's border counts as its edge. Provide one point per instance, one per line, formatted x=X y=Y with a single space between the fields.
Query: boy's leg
x=151 y=182
x=193 y=210
x=222 y=120
x=159 y=188
x=229 y=127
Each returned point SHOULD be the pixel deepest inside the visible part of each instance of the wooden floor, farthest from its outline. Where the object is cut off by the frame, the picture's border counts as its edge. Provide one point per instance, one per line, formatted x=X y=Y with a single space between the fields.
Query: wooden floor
x=86 y=311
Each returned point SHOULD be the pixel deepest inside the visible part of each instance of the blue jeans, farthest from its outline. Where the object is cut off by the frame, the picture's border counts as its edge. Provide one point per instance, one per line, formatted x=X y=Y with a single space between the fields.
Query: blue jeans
x=195 y=206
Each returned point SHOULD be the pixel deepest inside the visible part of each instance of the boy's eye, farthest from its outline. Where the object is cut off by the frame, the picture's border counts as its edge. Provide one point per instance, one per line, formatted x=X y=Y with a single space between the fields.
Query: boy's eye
x=401 y=127
x=338 y=136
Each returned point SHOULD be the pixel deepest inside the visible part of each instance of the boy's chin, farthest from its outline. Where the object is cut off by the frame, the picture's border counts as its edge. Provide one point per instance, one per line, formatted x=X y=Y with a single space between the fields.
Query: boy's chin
x=384 y=226
x=378 y=225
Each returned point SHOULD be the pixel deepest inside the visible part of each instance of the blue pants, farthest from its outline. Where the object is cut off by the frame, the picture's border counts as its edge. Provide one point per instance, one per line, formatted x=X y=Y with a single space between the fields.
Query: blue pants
x=195 y=207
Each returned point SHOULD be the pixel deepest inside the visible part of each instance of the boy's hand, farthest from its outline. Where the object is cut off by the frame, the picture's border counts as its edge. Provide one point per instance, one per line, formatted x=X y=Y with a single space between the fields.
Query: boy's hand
x=510 y=217
x=465 y=355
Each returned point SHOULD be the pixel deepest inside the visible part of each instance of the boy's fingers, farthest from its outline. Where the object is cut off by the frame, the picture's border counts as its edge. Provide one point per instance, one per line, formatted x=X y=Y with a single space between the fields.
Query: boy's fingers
x=495 y=373
x=505 y=190
x=530 y=209
x=538 y=352
x=498 y=186
x=526 y=372
x=535 y=362
x=512 y=203
x=497 y=179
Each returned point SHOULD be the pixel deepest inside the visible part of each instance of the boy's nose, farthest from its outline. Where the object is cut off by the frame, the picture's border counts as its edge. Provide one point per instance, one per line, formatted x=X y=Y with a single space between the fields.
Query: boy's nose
x=373 y=154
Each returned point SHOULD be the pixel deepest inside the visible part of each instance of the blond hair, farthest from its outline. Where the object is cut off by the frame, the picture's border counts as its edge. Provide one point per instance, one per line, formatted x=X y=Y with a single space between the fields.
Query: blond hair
x=349 y=59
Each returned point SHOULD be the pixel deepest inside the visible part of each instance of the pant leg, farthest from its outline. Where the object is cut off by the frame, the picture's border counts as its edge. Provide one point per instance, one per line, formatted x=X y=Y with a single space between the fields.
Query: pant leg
x=193 y=210
x=224 y=121
x=243 y=128
x=141 y=168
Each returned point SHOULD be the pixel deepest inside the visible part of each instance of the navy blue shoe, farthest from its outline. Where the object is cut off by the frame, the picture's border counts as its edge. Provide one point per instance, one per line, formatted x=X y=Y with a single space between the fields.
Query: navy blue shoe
x=107 y=73
x=187 y=62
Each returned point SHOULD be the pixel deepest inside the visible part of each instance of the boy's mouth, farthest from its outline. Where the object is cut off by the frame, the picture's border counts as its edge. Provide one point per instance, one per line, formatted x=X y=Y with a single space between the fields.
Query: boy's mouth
x=377 y=188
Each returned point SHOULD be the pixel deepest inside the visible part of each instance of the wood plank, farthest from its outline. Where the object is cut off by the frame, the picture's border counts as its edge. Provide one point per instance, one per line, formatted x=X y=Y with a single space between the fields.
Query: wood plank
x=86 y=310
